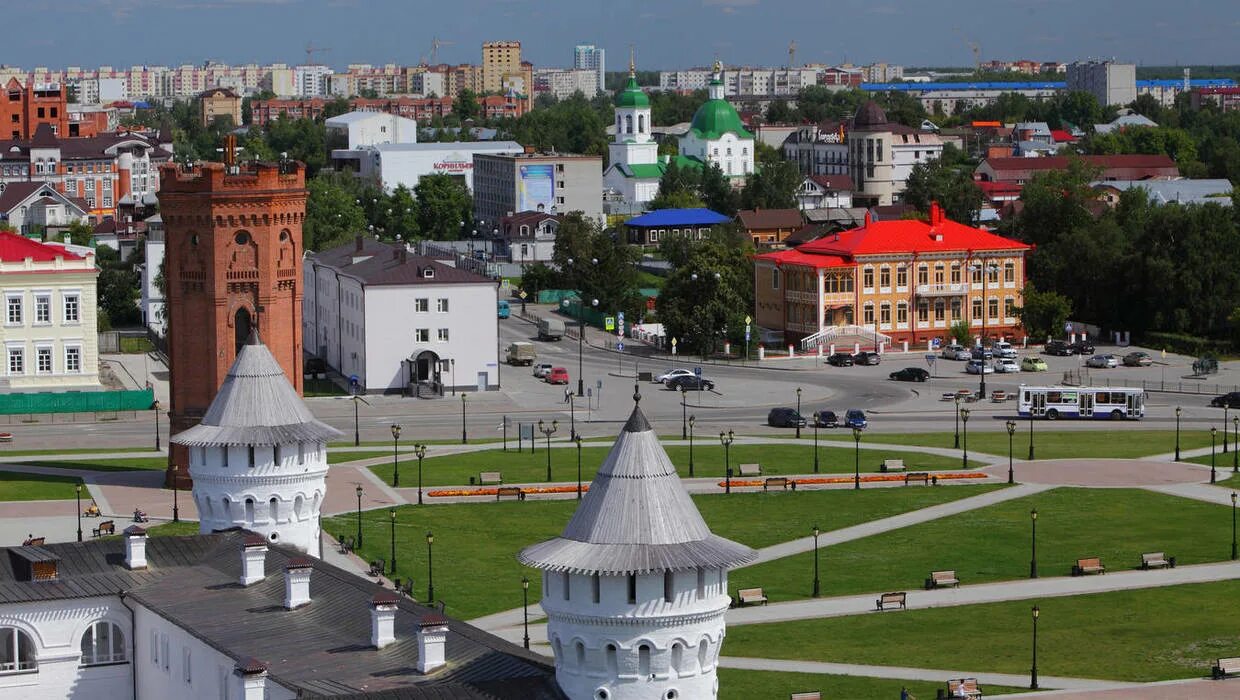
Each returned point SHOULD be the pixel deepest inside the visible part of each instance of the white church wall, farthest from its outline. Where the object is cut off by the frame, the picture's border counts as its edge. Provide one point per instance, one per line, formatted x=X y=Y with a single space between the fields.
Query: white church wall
x=56 y=628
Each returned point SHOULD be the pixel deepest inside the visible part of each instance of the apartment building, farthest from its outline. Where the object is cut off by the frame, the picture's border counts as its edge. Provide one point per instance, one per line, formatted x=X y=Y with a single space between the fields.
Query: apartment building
x=219 y=102
x=24 y=106
x=592 y=58
x=505 y=184
x=1110 y=82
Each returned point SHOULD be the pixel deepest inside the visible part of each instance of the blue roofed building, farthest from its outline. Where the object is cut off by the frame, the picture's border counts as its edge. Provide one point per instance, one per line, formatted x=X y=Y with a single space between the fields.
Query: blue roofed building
x=650 y=229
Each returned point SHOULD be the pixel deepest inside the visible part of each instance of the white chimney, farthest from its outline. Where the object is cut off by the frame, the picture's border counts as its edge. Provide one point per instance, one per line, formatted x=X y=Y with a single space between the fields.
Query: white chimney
x=297 y=582
x=253 y=556
x=383 y=618
x=252 y=676
x=135 y=547
x=432 y=638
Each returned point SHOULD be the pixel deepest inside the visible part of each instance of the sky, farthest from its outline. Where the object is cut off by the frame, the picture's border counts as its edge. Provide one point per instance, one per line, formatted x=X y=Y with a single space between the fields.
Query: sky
x=665 y=34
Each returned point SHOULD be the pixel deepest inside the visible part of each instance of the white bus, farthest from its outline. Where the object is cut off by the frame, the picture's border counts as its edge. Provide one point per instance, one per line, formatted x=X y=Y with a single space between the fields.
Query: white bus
x=1054 y=402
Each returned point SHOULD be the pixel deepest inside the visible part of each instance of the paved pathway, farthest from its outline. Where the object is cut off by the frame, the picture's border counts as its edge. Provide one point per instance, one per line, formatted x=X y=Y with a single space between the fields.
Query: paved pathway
x=1102 y=473
x=1194 y=688
x=1197 y=492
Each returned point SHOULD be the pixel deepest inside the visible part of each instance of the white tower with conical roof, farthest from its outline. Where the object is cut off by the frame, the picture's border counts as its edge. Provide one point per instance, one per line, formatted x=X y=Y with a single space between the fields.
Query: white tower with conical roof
x=636 y=588
x=259 y=457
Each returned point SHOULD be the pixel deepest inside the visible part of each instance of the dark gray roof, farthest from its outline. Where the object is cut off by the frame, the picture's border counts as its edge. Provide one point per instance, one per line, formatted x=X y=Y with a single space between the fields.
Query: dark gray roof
x=256 y=405
x=636 y=518
x=378 y=263
x=321 y=649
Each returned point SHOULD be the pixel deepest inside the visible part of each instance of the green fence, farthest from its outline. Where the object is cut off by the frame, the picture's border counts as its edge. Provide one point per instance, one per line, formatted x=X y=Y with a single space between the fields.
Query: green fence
x=76 y=401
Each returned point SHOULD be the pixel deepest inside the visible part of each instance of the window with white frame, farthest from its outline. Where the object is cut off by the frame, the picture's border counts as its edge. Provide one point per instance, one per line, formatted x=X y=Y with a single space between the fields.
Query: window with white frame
x=422 y=304
x=443 y=335
x=43 y=360
x=867 y=278
x=1009 y=272
x=441 y=306
x=17 y=361
x=422 y=335
x=884 y=314
x=103 y=643
x=17 y=652
x=73 y=308
x=14 y=305
x=43 y=308
x=868 y=314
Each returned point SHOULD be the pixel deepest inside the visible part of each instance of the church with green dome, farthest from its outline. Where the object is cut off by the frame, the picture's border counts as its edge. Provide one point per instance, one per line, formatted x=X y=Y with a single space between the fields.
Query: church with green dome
x=716 y=135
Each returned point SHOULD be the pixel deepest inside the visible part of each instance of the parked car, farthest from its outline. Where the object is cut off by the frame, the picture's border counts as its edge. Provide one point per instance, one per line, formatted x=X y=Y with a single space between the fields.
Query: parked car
x=502 y=309
x=1007 y=365
x=557 y=375
x=956 y=352
x=826 y=419
x=867 y=358
x=785 y=418
x=910 y=374
x=855 y=418
x=1004 y=349
x=982 y=354
x=1138 y=359
x=690 y=383
x=542 y=369
x=1102 y=361
x=672 y=374
x=979 y=367
x=1082 y=347
x=1057 y=347
x=1032 y=364
x=840 y=359
x=1231 y=400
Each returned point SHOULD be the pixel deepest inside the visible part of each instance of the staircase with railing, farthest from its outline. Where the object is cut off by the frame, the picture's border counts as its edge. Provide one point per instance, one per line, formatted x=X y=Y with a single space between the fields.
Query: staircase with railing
x=853 y=333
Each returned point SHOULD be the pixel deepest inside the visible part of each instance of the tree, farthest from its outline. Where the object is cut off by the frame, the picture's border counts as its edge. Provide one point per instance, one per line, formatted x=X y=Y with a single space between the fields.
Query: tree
x=772 y=187
x=80 y=232
x=952 y=187
x=538 y=277
x=335 y=108
x=400 y=216
x=444 y=207
x=960 y=333
x=591 y=263
x=778 y=112
x=678 y=188
x=466 y=106
x=717 y=192
x=1043 y=313
x=332 y=214
x=709 y=293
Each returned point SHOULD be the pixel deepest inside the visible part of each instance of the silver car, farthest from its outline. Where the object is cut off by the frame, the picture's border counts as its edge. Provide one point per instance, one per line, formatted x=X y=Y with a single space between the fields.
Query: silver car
x=1006 y=365
x=1103 y=361
x=979 y=367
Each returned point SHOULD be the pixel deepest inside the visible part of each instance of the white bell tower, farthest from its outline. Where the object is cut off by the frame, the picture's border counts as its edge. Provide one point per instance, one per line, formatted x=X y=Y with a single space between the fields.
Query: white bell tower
x=634 y=142
x=259 y=458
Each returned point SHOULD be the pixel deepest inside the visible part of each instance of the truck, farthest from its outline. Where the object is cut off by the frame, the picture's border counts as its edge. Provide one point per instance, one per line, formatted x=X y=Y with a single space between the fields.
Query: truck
x=521 y=353
x=550 y=329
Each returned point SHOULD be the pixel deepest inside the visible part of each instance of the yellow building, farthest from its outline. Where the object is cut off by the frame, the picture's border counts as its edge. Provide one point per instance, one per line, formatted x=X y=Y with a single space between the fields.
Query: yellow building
x=219 y=102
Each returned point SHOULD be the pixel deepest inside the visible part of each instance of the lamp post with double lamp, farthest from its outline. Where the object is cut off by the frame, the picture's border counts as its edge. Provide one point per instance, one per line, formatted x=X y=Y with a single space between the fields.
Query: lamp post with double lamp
x=1033 y=671
x=577 y=439
x=725 y=439
x=419 y=451
x=392 y=514
x=430 y=568
x=155 y=408
x=1235 y=454
x=798 y=420
x=395 y=461
x=1233 y=526
x=1224 y=428
x=1178 y=412
x=1033 y=543
x=817 y=589
x=77 y=490
x=856 y=458
x=1213 y=474
x=464 y=436
x=1011 y=430
x=692 y=420
x=956 y=439
x=525 y=609
x=547 y=430
x=964 y=422
x=359 y=515
x=986 y=269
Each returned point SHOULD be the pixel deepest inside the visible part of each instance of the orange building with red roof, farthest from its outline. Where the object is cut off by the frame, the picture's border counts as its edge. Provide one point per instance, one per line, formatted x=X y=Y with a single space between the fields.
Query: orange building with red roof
x=891 y=281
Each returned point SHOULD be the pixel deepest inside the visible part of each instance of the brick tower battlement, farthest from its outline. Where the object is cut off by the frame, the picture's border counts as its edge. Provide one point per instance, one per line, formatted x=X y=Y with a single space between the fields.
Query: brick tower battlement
x=233 y=263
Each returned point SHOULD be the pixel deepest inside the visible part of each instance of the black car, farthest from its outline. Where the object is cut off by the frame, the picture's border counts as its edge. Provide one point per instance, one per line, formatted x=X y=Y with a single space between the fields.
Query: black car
x=690 y=382
x=785 y=418
x=1057 y=347
x=1082 y=347
x=867 y=358
x=840 y=359
x=910 y=374
x=1230 y=400
x=826 y=419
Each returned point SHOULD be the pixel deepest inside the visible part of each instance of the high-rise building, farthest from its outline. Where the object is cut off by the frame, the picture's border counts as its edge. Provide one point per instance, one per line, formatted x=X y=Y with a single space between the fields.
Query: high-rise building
x=500 y=60
x=591 y=57
x=1110 y=82
x=233 y=265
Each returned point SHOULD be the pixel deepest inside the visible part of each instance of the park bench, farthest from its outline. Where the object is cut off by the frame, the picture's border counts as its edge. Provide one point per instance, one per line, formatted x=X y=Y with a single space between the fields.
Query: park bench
x=107 y=527
x=963 y=688
x=1092 y=565
x=923 y=477
x=491 y=478
x=942 y=579
x=514 y=491
x=779 y=482
x=377 y=566
x=1225 y=667
x=34 y=541
x=888 y=599
x=405 y=588
x=808 y=695
x=891 y=465
x=750 y=595
x=1156 y=560
x=751 y=470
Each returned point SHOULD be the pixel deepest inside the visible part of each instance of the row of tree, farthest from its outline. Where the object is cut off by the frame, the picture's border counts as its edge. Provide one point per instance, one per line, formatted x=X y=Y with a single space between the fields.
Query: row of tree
x=772 y=186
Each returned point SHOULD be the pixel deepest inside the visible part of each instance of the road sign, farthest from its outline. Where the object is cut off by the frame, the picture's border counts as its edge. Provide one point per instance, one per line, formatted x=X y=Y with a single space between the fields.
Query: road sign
x=522 y=294
x=697 y=371
x=748 y=320
x=620 y=323
x=673 y=342
x=600 y=384
x=746 y=334
x=609 y=323
x=620 y=347
x=589 y=392
x=931 y=358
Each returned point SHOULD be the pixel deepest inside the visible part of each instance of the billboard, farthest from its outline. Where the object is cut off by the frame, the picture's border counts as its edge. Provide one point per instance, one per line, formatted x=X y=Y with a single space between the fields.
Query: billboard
x=536 y=188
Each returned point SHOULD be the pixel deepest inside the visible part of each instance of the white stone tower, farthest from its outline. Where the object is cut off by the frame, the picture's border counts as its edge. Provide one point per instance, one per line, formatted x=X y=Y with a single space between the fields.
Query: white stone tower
x=636 y=588
x=259 y=458
x=634 y=143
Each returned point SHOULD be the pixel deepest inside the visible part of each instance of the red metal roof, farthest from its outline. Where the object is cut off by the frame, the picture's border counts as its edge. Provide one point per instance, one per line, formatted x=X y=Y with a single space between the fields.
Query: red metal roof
x=909 y=236
x=1062 y=136
x=16 y=248
x=796 y=257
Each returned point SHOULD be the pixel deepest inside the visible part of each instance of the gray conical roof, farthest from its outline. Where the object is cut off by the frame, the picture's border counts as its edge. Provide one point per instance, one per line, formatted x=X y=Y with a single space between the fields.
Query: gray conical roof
x=256 y=405
x=636 y=518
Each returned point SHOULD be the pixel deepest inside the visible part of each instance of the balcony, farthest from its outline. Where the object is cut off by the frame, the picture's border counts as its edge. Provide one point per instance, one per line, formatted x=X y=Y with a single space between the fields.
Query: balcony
x=942 y=290
x=802 y=297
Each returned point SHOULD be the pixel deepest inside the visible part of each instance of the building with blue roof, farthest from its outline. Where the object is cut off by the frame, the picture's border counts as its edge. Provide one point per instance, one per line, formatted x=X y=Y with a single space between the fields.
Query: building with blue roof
x=651 y=228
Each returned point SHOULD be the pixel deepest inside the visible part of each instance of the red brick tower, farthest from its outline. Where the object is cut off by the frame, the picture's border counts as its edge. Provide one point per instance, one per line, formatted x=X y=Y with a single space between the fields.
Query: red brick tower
x=233 y=264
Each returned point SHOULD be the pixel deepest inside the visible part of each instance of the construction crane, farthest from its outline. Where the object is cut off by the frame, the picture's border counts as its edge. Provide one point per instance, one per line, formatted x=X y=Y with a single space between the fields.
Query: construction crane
x=792 y=54
x=311 y=49
x=977 y=55
x=435 y=44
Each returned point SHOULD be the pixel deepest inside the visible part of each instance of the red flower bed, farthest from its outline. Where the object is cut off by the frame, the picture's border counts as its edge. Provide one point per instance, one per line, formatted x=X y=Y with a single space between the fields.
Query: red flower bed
x=493 y=490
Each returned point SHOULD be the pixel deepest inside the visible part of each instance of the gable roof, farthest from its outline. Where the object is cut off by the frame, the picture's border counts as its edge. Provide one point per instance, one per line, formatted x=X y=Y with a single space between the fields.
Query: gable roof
x=1016 y=164
x=833 y=183
x=18 y=193
x=678 y=217
x=909 y=236
x=770 y=218
x=377 y=263
x=16 y=248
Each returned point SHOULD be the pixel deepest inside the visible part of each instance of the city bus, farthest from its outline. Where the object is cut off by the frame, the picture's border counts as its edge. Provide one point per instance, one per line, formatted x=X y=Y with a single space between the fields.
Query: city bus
x=1055 y=402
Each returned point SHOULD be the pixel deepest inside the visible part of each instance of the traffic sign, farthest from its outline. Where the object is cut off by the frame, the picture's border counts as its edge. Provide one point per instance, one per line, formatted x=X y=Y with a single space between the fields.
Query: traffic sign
x=931 y=358
x=748 y=320
x=609 y=323
x=697 y=371
x=620 y=347
x=673 y=342
x=746 y=334
x=522 y=294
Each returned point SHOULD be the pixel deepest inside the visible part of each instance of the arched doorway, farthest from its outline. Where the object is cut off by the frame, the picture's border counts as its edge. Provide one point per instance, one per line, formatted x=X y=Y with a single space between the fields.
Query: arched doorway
x=241 y=325
x=423 y=375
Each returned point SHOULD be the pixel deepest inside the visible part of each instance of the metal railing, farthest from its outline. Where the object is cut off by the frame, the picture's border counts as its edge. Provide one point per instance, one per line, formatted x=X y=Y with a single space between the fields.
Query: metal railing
x=1084 y=377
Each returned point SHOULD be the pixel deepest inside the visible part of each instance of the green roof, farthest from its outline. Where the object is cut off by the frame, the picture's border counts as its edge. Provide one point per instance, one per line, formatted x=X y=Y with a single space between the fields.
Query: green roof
x=654 y=171
x=716 y=118
x=632 y=96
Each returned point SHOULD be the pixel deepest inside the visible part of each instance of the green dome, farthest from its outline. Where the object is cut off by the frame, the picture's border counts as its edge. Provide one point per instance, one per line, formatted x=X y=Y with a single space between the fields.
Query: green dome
x=716 y=118
x=632 y=96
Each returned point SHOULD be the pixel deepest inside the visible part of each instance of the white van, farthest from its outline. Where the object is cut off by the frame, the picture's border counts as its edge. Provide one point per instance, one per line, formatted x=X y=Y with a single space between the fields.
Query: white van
x=1002 y=348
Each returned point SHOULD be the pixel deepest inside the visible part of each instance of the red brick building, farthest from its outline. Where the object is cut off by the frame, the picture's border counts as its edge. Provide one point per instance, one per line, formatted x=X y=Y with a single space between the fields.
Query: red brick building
x=233 y=263
x=422 y=109
x=24 y=107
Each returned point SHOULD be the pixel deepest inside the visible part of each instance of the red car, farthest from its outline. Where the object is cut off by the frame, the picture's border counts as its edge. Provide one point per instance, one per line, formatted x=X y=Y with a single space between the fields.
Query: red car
x=557 y=375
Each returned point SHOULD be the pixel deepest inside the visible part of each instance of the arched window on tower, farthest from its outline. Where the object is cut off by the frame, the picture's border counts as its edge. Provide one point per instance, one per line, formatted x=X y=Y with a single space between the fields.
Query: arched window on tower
x=613 y=662
x=628 y=123
x=643 y=660
x=641 y=123
x=249 y=511
x=579 y=653
x=273 y=508
x=241 y=326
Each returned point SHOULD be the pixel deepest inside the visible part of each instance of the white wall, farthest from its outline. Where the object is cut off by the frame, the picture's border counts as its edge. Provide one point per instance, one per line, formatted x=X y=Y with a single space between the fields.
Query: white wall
x=394 y=166
x=56 y=628
x=152 y=298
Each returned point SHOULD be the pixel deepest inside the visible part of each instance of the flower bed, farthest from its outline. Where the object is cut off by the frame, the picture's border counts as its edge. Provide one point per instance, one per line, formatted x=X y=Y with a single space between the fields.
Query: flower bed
x=494 y=490
x=865 y=478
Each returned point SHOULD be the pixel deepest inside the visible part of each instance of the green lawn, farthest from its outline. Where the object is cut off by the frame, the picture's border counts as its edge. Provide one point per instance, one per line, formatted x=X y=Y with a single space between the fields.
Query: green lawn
x=738 y=684
x=7 y=453
x=185 y=527
x=1142 y=635
x=1051 y=444
x=105 y=465
x=476 y=571
x=136 y=345
x=15 y=486
x=992 y=544
x=707 y=457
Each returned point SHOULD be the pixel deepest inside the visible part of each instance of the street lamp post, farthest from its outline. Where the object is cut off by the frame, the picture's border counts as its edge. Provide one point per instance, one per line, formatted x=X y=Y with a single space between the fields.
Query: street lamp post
x=359 y=515
x=1178 y=412
x=725 y=439
x=964 y=422
x=419 y=451
x=525 y=608
x=1033 y=671
x=817 y=589
x=464 y=435
x=798 y=421
x=1213 y=475
x=856 y=458
x=956 y=439
x=985 y=269
x=1033 y=543
x=395 y=461
x=1011 y=430
x=1224 y=429
x=577 y=439
x=547 y=430
x=392 y=513
x=1031 y=434
x=1233 y=526
x=430 y=568
x=1235 y=454
x=692 y=420
x=815 y=445
x=155 y=409
x=77 y=490
x=176 y=505
x=684 y=413
x=572 y=414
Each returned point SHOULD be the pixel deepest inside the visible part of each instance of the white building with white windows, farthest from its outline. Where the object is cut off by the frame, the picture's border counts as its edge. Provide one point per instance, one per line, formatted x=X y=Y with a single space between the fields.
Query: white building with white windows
x=635 y=602
x=373 y=128
x=49 y=334
x=400 y=322
x=592 y=58
x=392 y=164
x=717 y=134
